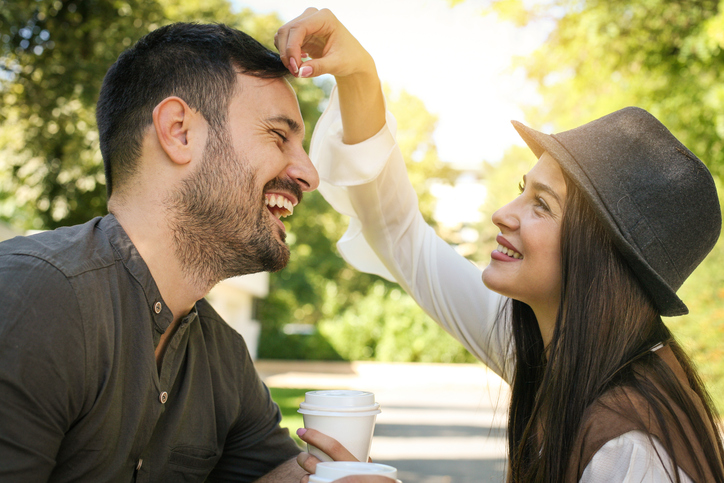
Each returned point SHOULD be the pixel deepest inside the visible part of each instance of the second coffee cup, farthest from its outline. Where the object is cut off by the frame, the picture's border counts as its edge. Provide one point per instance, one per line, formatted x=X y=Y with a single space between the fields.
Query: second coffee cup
x=331 y=471
x=345 y=415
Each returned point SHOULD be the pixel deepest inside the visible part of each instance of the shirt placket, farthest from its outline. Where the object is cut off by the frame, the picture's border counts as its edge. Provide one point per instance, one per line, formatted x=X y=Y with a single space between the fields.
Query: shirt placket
x=170 y=366
x=161 y=317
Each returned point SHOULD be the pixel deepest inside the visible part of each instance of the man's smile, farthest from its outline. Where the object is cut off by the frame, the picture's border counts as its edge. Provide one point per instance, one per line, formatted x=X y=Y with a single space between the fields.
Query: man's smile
x=279 y=205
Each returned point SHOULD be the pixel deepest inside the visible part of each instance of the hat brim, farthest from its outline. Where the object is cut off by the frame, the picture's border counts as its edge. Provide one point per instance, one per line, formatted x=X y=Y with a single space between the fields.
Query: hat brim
x=664 y=297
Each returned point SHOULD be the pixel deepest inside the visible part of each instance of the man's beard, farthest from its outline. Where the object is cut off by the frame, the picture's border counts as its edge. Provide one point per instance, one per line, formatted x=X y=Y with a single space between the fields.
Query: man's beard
x=221 y=226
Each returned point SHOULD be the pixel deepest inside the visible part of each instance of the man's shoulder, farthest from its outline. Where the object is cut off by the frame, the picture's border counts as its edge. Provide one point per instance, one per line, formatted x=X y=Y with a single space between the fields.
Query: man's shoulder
x=218 y=332
x=71 y=250
x=213 y=322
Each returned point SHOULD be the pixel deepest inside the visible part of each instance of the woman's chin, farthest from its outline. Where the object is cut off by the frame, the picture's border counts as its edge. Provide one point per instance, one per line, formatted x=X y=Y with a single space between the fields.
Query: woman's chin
x=489 y=278
x=497 y=282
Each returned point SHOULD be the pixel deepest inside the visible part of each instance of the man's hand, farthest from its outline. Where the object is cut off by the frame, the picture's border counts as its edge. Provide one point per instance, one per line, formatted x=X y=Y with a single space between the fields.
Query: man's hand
x=329 y=446
x=288 y=472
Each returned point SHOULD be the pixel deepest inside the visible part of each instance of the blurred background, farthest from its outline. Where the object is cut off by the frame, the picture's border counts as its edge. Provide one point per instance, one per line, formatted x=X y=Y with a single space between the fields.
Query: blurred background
x=455 y=71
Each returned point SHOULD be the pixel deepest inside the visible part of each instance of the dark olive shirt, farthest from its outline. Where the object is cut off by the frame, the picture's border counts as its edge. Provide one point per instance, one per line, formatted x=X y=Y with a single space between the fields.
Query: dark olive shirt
x=81 y=398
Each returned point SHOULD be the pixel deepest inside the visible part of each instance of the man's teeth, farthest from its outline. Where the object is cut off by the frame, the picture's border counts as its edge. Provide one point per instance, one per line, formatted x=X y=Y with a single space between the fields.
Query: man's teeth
x=509 y=252
x=283 y=205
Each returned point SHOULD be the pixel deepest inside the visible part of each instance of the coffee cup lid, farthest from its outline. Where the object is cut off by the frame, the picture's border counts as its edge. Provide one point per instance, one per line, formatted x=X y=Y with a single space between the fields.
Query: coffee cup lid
x=339 y=414
x=339 y=398
x=339 y=409
x=333 y=470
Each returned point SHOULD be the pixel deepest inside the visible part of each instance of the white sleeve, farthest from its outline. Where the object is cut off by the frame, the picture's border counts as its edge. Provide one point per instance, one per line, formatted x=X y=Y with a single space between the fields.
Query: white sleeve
x=631 y=458
x=387 y=236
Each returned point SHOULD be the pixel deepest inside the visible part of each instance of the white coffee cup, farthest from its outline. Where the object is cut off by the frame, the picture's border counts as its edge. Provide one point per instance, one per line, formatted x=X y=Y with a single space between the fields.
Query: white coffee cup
x=345 y=415
x=333 y=470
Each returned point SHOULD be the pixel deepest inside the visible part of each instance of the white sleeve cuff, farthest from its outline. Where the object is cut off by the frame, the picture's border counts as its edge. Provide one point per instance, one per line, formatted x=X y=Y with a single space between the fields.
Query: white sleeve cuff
x=341 y=165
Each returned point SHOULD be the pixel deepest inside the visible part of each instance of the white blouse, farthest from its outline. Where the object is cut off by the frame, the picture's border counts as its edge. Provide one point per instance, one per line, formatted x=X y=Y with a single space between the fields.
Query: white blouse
x=387 y=236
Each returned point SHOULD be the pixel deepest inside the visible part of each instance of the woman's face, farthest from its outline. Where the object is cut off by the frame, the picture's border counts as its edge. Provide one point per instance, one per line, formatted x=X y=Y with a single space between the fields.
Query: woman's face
x=526 y=266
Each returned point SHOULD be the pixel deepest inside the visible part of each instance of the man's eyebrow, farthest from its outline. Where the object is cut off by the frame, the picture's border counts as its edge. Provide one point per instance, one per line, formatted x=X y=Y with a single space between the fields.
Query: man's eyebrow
x=538 y=186
x=293 y=125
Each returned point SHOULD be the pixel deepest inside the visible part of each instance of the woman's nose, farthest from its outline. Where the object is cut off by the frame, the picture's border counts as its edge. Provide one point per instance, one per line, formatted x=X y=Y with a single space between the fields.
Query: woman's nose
x=506 y=217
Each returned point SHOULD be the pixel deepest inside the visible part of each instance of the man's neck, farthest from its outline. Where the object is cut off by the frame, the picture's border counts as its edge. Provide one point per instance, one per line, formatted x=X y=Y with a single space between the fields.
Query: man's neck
x=148 y=229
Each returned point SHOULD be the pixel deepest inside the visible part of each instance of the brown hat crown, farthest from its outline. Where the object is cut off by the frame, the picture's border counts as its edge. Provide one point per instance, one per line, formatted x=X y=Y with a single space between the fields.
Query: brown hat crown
x=655 y=197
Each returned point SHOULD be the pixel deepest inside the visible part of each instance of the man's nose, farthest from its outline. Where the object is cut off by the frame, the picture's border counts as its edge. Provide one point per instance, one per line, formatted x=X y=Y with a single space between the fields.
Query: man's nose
x=303 y=172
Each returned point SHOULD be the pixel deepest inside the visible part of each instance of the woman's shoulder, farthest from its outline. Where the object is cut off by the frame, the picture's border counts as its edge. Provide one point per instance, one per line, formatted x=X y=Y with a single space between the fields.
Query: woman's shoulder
x=631 y=417
x=632 y=456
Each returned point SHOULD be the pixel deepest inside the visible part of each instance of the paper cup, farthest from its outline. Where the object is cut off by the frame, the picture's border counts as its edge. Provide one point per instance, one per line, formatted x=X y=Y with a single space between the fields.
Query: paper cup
x=347 y=416
x=333 y=470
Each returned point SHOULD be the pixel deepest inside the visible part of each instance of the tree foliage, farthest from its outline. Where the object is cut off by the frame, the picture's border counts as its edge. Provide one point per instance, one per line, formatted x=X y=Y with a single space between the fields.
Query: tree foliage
x=601 y=56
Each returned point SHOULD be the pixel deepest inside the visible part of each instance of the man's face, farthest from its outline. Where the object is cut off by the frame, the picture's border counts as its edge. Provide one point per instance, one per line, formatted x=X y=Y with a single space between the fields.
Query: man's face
x=226 y=215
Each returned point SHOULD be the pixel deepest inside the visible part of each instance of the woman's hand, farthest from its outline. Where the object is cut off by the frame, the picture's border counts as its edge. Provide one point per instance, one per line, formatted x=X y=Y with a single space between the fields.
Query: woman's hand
x=333 y=50
x=319 y=35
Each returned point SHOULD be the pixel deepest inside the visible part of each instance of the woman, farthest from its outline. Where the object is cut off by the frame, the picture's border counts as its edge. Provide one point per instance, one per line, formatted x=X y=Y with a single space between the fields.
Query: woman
x=609 y=223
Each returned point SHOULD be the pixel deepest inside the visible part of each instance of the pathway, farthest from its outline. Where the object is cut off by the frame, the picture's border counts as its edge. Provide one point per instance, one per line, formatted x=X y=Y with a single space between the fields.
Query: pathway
x=440 y=423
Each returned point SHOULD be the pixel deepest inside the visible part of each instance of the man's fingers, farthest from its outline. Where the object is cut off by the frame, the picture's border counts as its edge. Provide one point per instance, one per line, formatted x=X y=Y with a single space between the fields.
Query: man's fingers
x=307 y=462
x=329 y=446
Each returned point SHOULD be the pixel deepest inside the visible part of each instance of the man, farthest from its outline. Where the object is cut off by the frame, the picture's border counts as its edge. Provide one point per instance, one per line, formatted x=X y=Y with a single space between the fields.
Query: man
x=112 y=365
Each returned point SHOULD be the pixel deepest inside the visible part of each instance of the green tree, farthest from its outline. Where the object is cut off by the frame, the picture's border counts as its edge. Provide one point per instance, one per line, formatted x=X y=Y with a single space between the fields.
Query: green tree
x=601 y=56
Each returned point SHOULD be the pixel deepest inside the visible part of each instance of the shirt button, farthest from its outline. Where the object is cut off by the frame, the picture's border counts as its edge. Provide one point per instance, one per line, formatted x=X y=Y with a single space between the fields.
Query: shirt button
x=163 y=397
x=157 y=307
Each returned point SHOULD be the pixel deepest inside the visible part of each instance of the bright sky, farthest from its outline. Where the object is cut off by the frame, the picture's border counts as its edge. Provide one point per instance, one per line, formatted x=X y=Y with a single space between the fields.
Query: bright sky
x=455 y=59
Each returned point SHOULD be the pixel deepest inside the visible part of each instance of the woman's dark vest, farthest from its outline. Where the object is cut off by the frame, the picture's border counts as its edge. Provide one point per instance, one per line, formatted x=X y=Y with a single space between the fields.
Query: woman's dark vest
x=623 y=409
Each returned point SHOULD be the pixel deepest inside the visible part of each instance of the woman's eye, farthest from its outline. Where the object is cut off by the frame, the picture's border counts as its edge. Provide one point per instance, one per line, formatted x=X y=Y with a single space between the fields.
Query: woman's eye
x=521 y=187
x=540 y=202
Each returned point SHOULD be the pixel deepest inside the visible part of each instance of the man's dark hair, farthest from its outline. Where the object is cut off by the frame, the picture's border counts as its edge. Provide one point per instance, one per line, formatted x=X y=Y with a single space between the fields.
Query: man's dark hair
x=196 y=62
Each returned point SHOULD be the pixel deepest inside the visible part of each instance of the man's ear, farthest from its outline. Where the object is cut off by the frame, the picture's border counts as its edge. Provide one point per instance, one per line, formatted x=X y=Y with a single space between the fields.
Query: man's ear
x=178 y=129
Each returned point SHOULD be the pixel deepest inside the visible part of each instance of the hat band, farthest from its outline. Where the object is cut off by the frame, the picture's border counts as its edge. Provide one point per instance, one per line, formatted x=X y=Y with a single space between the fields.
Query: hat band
x=644 y=238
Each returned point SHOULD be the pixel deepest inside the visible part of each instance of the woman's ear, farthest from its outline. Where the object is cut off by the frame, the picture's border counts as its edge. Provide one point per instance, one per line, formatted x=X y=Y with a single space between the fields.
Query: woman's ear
x=177 y=129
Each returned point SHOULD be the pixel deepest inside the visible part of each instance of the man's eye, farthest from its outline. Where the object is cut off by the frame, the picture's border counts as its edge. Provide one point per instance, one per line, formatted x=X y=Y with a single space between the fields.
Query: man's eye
x=281 y=136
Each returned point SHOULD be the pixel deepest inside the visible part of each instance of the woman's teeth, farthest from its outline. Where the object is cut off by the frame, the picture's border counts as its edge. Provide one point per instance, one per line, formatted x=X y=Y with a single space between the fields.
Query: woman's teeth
x=509 y=252
x=279 y=205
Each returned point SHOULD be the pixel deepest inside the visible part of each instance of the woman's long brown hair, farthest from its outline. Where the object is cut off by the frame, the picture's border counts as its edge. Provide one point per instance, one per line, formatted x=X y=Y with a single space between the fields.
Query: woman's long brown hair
x=606 y=322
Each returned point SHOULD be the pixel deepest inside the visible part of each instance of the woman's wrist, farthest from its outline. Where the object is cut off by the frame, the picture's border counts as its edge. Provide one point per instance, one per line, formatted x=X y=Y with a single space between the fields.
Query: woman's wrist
x=362 y=104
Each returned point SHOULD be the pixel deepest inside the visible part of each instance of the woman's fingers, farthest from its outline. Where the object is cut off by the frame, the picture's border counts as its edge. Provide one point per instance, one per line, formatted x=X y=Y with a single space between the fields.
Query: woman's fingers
x=290 y=51
x=329 y=446
x=321 y=36
x=291 y=36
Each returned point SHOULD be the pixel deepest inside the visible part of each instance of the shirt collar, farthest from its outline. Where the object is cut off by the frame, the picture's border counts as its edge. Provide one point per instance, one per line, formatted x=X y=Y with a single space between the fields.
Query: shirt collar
x=127 y=253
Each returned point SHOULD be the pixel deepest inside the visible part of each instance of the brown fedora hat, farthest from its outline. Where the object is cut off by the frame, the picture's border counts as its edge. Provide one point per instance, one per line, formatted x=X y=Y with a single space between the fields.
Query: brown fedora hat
x=655 y=197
